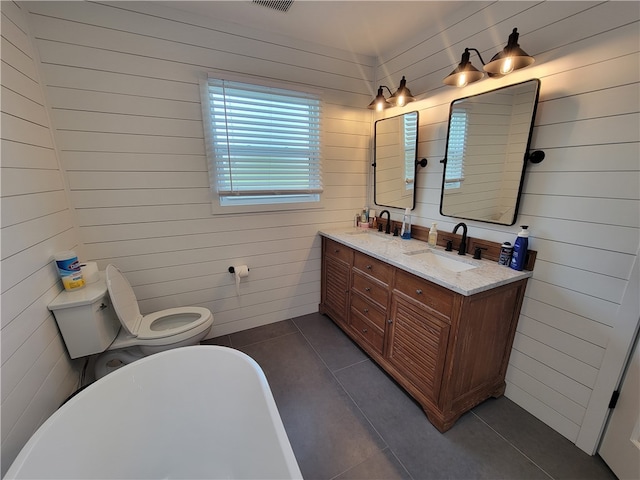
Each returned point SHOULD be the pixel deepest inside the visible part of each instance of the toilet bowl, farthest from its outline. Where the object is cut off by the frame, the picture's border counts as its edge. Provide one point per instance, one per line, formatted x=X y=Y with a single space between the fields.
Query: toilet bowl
x=105 y=318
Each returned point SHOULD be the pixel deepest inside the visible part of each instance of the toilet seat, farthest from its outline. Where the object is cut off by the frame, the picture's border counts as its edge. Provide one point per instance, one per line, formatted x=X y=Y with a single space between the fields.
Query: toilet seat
x=164 y=324
x=170 y=322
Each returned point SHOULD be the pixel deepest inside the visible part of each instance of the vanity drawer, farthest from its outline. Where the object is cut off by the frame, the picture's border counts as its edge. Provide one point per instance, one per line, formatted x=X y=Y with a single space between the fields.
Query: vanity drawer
x=337 y=250
x=370 y=333
x=368 y=310
x=434 y=296
x=371 y=266
x=370 y=289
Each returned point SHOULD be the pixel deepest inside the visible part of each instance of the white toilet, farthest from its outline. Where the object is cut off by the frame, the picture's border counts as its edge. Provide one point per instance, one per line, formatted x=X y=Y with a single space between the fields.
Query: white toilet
x=105 y=317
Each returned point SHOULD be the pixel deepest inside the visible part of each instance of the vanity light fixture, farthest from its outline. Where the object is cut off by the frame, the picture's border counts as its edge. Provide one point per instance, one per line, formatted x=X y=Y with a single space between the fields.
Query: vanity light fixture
x=465 y=73
x=380 y=103
x=400 y=98
x=402 y=95
x=510 y=58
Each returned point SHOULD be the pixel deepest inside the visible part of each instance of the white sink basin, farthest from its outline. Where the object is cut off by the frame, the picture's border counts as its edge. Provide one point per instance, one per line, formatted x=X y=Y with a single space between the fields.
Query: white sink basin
x=437 y=260
x=370 y=236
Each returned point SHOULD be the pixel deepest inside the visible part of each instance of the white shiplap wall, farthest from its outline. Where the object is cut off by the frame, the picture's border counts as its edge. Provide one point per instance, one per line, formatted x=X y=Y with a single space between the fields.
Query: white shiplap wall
x=36 y=222
x=122 y=80
x=581 y=203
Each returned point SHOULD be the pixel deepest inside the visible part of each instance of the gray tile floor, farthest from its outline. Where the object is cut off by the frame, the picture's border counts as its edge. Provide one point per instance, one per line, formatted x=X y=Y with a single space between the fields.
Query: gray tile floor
x=346 y=419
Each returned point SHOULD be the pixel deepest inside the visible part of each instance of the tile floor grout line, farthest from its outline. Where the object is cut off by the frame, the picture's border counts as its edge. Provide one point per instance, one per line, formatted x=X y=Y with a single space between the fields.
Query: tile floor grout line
x=367 y=359
x=261 y=341
x=369 y=458
x=512 y=445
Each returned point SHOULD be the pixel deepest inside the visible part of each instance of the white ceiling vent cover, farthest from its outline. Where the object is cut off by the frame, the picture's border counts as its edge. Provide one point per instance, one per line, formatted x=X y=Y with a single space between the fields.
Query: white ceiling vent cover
x=280 y=5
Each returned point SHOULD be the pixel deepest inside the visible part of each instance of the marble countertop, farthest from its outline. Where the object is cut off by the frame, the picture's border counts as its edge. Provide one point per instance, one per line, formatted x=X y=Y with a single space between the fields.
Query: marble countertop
x=431 y=263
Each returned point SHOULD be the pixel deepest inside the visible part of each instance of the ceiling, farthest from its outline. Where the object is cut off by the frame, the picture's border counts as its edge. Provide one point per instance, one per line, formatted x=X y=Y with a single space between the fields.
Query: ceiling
x=366 y=27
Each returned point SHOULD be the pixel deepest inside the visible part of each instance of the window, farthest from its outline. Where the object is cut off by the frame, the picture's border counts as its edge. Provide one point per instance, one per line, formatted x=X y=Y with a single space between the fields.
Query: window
x=455 y=150
x=263 y=143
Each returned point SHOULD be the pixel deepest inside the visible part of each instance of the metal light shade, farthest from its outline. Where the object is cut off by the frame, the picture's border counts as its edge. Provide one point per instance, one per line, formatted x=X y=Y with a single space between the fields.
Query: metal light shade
x=464 y=74
x=402 y=96
x=379 y=103
x=511 y=58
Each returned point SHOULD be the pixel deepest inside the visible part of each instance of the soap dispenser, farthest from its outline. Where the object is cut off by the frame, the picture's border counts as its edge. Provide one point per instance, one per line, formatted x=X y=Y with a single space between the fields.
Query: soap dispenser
x=405 y=232
x=433 y=235
x=520 y=247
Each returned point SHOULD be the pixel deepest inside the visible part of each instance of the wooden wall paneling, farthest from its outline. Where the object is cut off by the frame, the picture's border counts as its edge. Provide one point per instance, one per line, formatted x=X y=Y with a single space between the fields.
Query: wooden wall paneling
x=618 y=211
x=560 y=361
x=230 y=252
x=18 y=365
x=589 y=283
x=150 y=196
x=609 y=237
x=23 y=235
x=19 y=267
x=17 y=330
x=39 y=181
x=25 y=131
x=127 y=124
x=564 y=406
x=81 y=180
x=61 y=77
x=15 y=401
x=123 y=162
x=36 y=222
x=573 y=301
x=54 y=388
x=564 y=385
x=15 y=104
x=570 y=344
x=125 y=102
x=589 y=330
x=131 y=143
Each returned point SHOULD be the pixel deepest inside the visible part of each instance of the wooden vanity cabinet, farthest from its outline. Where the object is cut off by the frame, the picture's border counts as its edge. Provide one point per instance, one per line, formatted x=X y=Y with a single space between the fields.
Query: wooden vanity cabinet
x=449 y=351
x=336 y=273
x=419 y=335
x=370 y=279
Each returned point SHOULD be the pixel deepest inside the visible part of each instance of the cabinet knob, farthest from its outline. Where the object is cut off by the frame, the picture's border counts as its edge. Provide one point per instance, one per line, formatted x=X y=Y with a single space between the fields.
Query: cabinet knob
x=364 y=330
x=419 y=292
x=367 y=289
x=103 y=306
x=337 y=250
x=366 y=310
x=368 y=267
x=390 y=321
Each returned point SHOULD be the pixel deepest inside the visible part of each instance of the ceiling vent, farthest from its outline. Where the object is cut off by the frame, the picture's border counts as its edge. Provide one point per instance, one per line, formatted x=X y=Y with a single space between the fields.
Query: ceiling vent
x=280 y=5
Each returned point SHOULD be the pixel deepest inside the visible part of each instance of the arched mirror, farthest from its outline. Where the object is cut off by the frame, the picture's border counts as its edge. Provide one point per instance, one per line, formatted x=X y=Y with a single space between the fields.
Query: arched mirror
x=487 y=146
x=394 y=167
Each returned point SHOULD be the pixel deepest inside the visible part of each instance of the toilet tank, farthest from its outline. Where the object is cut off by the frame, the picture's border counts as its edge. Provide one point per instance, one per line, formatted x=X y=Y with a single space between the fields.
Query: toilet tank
x=86 y=319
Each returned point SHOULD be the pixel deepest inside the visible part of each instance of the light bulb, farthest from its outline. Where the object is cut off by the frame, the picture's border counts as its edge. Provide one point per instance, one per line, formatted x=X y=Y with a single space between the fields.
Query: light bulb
x=462 y=80
x=400 y=101
x=507 y=66
x=379 y=106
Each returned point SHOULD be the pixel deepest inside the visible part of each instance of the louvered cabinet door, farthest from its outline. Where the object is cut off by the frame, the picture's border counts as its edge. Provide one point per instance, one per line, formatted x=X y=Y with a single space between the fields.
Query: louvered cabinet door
x=336 y=289
x=417 y=345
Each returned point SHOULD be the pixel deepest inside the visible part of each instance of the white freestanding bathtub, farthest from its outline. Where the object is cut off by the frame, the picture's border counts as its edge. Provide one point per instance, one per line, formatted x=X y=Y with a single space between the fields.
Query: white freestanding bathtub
x=191 y=412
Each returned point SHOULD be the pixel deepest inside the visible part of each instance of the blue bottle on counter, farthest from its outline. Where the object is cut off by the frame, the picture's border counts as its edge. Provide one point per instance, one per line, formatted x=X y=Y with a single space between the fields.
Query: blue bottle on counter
x=406 y=225
x=520 y=247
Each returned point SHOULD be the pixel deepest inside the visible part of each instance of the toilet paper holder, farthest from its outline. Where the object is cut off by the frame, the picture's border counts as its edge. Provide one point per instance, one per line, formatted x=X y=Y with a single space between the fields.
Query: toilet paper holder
x=233 y=270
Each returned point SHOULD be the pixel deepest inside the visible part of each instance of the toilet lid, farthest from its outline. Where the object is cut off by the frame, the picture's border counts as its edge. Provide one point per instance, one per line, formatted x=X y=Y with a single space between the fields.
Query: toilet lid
x=123 y=299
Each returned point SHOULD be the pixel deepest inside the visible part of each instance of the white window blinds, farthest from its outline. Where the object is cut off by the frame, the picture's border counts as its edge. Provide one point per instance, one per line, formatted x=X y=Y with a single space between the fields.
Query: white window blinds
x=264 y=143
x=410 y=134
x=454 y=171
